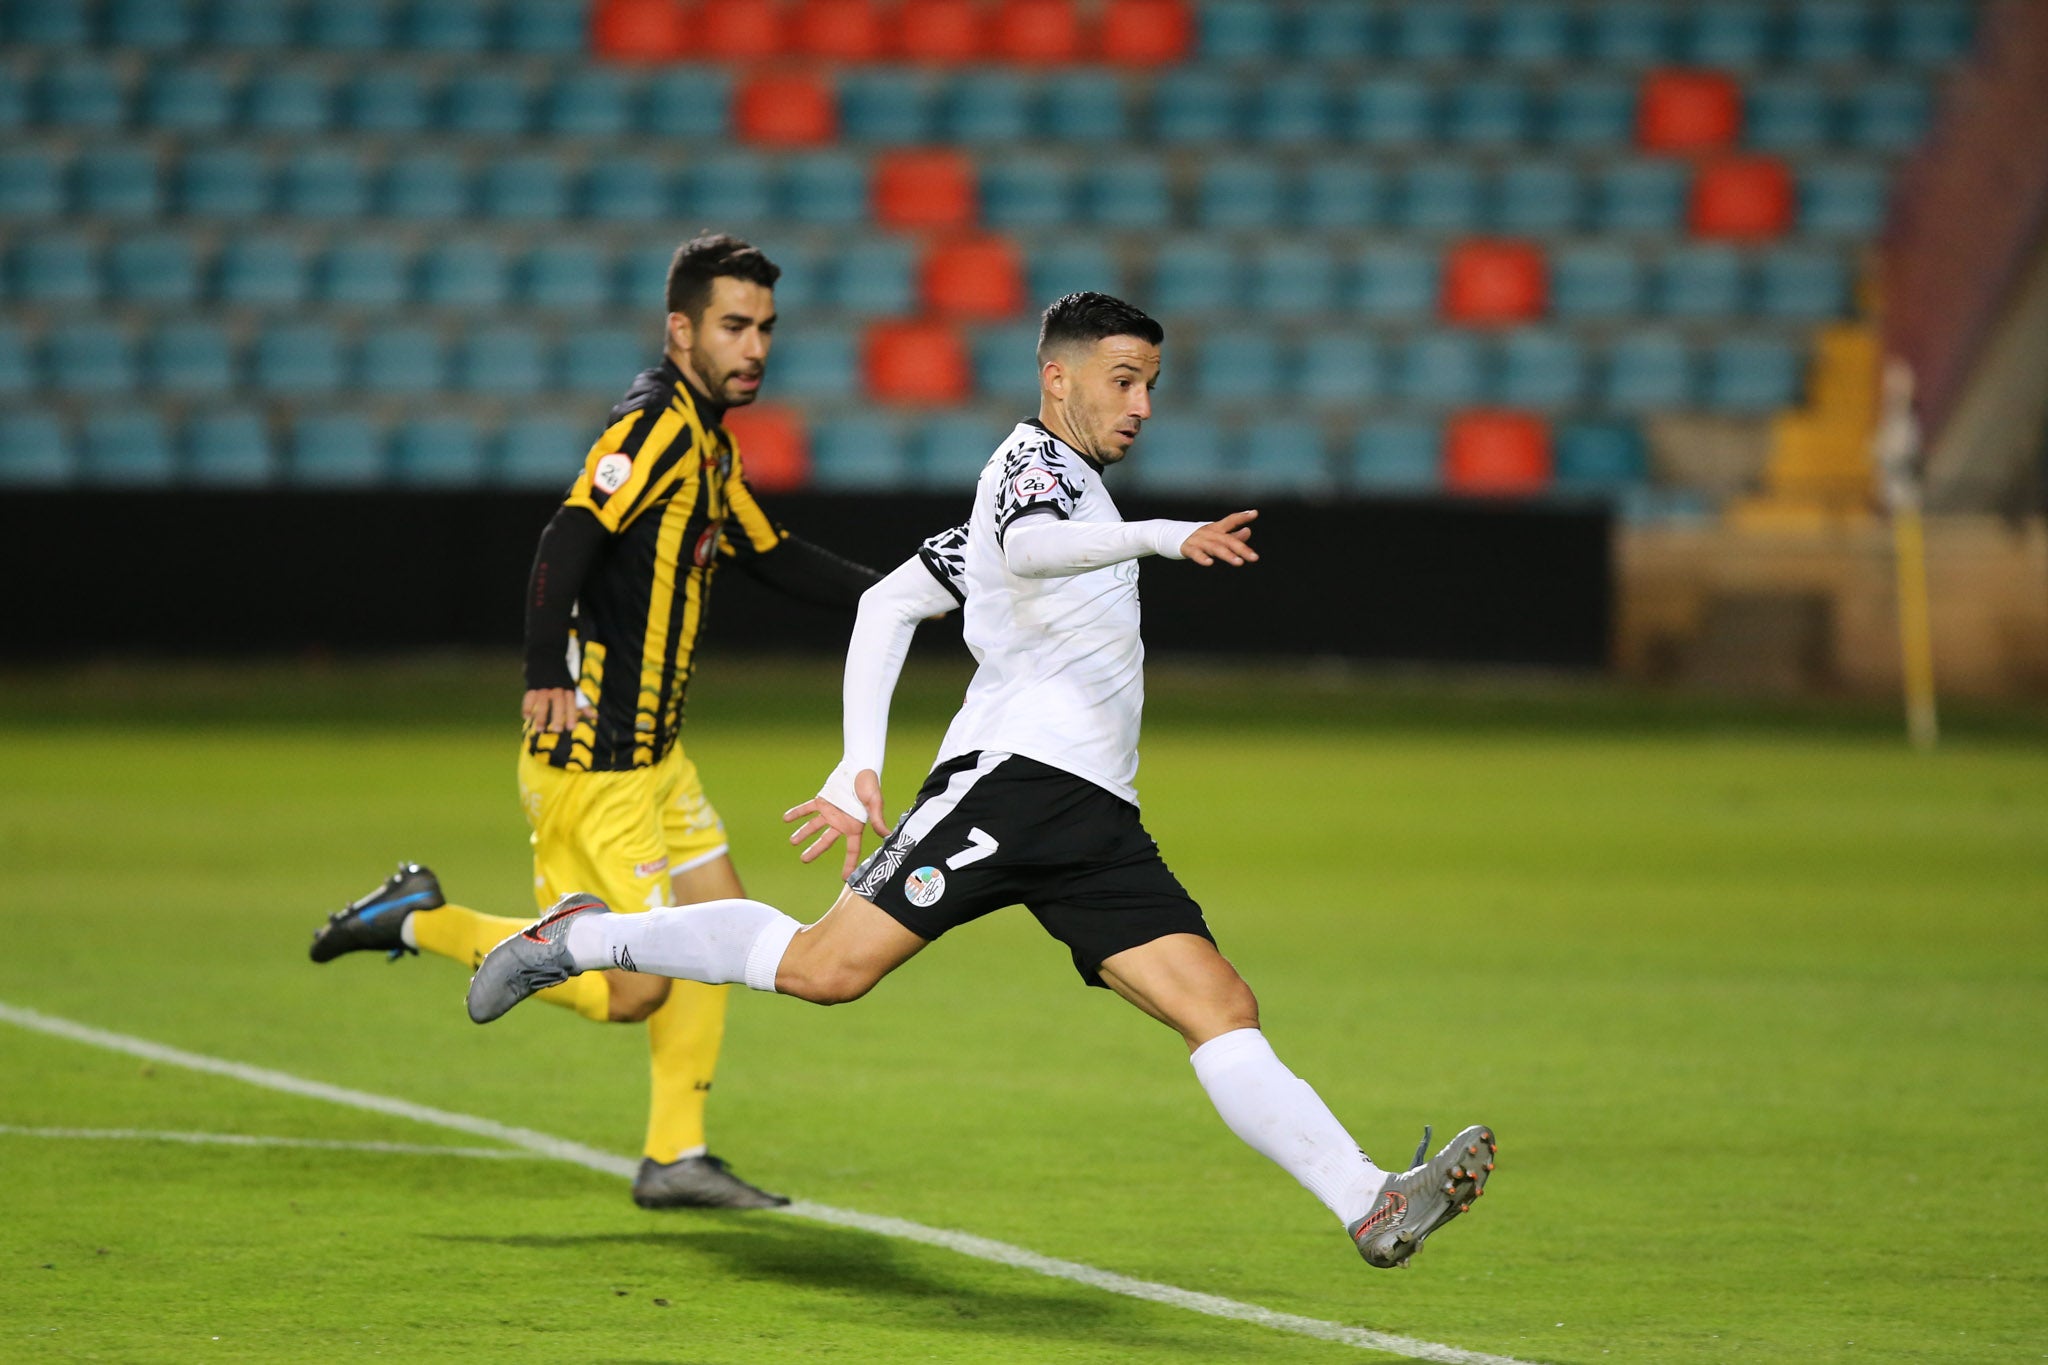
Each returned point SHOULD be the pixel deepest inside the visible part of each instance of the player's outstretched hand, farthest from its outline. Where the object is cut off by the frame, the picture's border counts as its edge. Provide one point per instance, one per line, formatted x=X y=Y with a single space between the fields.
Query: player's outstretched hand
x=1228 y=540
x=825 y=820
x=555 y=709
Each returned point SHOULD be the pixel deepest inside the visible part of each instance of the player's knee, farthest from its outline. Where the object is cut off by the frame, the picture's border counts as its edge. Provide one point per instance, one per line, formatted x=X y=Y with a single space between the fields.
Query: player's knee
x=634 y=997
x=823 y=983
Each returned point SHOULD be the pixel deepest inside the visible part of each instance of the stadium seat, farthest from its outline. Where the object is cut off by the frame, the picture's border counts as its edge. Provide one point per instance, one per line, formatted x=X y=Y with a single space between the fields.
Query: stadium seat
x=1591 y=457
x=1730 y=36
x=503 y=362
x=119 y=182
x=365 y=273
x=324 y=182
x=1596 y=280
x=1036 y=32
x=623 y=189
x=1648 y=371
x=530 y=189
x=1543 y=369
x=1333 y=33
x=1028 y=192
x=127 y=448
x=1284 y=455
x=1196 y=275
x=774 y=447
x=1646 y=197
x=589 y=102
x=224 y=182
x=14 y=102
x=18 y=369
x=643 y=276
x=158 y=269
x=950 y=449
x=1534 y=33
x=1239 y=367
x=1788 y=114
x=30 y=184
x=640 y=30
x=153 y=25
x=228 y=449
x=1396 y=455
x=336 y=450
x=1131 y=195
x=1888 y=115
x=449 y=26
x=1492 y=281
x=50 y=23
x=298 y=360
x=1341 y=196
x=1540 y=197
x=405 y=359
x=1443 y=370
x=1497 y=454
x=1804 y=284
x=739 y=30
x=1842 y=200
x=541 y=452
x=387 y=99
x=88 y=358
x=1240 y=193
x=1696 y=282
x=981 y=107
x=1593 y=113
x=925 y=189
x=464 y=274
x=427 y=186
x=1397 y=281
x=1195 y=107
x=489 y=102
x=84 y=94
x=566 y=276
x=1752 y=374
x=972 y=279
x=267 y=271
x=1490 y=112
x=289 y=99
x=1295 y=279
x=602 y=361
x=1340 y=369
x=875 y=276
x=826 y=189
x=1440 y=196
x=1927 y=33
x=188 y=99
x=815 y=361
x=56 y=270
x=891 y=108
x=190 y=360
x=1183 y=453
x=35 y=451
x=1393 y=111
x=1070 y=264
x=946 y=32
x=786 y=109
x=1006 y=361
x=1146 y=32
x=438 y=452
x=251 y=25
x=1085 y=107
x=688 y=102
x=1238 y=31
x=1291 y=109
x=545 y=28
x=348 y=25
x=1630 y=33
x=1830 y=33
x=863 y=453
x=1443 y=32
x=838 y=30
x=1741 y=198
x=1684 y=111
x=916 y=362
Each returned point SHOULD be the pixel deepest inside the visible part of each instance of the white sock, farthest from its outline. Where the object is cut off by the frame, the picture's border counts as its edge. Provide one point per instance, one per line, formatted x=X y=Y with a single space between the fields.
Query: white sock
x=406 y=935
x=713 y=942
x=1278 y=1115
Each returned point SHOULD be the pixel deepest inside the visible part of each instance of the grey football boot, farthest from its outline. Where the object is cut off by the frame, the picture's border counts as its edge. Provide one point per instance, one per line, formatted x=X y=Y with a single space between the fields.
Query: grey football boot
x=1417 y=1202
x=697 y=1182
x=531 y=960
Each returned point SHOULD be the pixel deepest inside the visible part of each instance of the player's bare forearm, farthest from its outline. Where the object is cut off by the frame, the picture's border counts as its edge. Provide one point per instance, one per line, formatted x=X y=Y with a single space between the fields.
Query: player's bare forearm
x=1227 y=540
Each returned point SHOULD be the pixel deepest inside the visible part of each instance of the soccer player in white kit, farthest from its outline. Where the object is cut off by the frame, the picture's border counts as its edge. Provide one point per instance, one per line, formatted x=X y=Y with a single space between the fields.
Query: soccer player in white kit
x=1032 y=800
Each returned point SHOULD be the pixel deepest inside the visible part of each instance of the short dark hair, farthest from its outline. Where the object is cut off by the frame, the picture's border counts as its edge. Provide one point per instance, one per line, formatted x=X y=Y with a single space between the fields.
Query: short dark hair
x=707 y=257
x=1089 y=317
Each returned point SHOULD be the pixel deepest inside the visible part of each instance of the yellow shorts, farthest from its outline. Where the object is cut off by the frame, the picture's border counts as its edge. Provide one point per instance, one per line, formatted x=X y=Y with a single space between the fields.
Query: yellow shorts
x=618 y=835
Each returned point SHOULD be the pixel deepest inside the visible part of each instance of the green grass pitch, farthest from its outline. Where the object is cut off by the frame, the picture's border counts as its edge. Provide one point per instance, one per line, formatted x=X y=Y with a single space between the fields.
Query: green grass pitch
x=1755 y=1000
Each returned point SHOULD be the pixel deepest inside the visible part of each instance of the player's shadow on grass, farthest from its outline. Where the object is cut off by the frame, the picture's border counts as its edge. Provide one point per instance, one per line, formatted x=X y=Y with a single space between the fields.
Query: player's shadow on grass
x=811 y=1256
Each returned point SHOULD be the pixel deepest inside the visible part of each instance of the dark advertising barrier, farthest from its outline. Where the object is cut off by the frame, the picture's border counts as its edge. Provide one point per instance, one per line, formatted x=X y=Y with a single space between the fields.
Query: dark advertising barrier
x=251 y=573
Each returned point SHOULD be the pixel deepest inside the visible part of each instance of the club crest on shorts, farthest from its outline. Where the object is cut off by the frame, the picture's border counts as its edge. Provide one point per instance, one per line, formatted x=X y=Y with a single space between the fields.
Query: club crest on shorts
x=1034 y=483
x=924 y=887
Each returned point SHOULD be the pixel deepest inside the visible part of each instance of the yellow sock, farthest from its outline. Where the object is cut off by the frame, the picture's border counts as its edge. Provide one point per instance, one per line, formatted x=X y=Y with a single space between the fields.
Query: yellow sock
x=683 y=1037
x=466 y=935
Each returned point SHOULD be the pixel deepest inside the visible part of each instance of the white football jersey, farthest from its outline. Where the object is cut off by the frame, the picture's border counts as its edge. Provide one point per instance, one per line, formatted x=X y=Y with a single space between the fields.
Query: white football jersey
x=1061 y=673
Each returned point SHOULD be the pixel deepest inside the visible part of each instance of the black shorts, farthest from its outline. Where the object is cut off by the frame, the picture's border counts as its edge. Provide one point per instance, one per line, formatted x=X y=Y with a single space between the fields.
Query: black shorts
x=991 y=830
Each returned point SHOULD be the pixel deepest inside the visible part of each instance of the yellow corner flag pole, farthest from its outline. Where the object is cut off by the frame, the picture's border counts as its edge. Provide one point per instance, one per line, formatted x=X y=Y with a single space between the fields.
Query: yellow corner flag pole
x=1898 y=459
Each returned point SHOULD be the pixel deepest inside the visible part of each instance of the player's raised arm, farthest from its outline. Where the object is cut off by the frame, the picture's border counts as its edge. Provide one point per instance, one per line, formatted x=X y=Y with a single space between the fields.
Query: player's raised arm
x=851 y=800
x=1041 y=545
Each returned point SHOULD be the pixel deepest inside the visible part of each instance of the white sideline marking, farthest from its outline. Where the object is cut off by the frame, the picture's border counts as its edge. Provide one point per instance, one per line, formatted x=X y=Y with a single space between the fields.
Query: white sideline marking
x=576 y=1154
x=256 y=1140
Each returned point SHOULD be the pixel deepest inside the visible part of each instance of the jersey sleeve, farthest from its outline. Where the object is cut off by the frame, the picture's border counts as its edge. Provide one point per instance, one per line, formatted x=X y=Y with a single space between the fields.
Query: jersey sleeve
x=622 y=465
x=749 y=530
x=1036 y=478
x=945 y=557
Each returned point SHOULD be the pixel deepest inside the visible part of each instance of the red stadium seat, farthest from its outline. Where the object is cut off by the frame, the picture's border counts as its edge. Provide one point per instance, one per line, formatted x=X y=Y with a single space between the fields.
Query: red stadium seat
x=775 y=452
x=948 y=31
x=1038 y=32
x=975 y=278
x=1688 y=111
x=840 y=30
x=925 y=189
x=739 y=30
x=1742 y=198
x=1490 y=282
x=916 y=362
x=786 y=109
x=639 y=30
x=1147 y=32
x=1497 y=454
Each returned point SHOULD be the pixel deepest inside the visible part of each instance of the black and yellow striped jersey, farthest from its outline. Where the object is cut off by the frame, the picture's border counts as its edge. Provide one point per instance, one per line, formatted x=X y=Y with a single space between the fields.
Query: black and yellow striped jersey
x=666 y=484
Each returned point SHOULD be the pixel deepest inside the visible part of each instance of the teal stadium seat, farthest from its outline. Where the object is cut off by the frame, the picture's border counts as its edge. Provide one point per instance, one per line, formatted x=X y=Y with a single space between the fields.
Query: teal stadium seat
x=1295 y=279
x=506 y=361
x=1393 y=112
x=228 y=448
x=1492 y=112
x=1334 y=33
x=1844 y=200
x=571 y=276
x=1341 y=369
x=546 y=28
x=1342 y=196
x=1396 y=455
x=466 y=273
x=800 y=290
x=1752 y=374
x=120 y=182
x=336 y=450
x=1196 y=275
x=1648 y=371
x=389 y=99
x=590 y=102
x=601 y=361
x=438 y=452
x=1645 y=197
x=1240 y=31
x=1069 y=264
x=1183 y=453
x=1928 y=33
x=1637 y=33
x=1243 y=193
x=1291 y=109
x=224 y=182
x=1544 y=369
x=816 y=361
x=427 y=187
x=1735 y=35
x=19 y=373
x=1439 y=196
x=1085 y=107
x=1888 y=115
x=1539 y=197
x=84 y=94
x=188 y=99
x=1194 y=106
x=348 y=25
x=251 y=25
x=458 y=27
x=1534 y=33
x=1598 y=457
x=1443 y=370
x=643 y=275
x=542 y=452
x=324 y=182
x=31 y=186
x=89 y=359
x=264 y=271
x=1802 y=284
x=950 y=448
x=365 y=273
x=1831 y=32
x=15 y=109
x=1702 y=281
x=532 y=188
x=887 y=107
x=489 y=102
x=830 y=189
x=628 y=189
x=1239 y=367
x=1788 y=114
x=406 y=358
x=1027 y=191
x=297 y=100
x=1396 y=281
x=160 y=269
x=36 y=451
x=1596 y=280
x=1132 y=195
x=127 y=448
x=982 y=108
x=863 y=453
x=1592 y=113
x=50 y=23
x=728 y=187
x=53 y=269
x=299 y=360
x=1440 y=33
x=688 y=102
x=1287 y=455
x=187 y=359
x=876 y=276
x=1006 y=361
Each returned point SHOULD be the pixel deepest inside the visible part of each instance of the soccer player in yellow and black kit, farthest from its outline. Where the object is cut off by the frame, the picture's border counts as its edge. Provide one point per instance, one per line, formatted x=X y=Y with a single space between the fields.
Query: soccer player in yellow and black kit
x=615 y=605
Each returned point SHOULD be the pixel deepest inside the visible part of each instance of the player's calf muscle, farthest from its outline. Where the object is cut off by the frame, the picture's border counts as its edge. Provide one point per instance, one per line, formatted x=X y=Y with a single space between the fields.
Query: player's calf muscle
x=635 y=996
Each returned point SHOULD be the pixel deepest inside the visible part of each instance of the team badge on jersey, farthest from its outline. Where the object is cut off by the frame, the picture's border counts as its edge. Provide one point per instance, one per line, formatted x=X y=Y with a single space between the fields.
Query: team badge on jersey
x=612 y=472
x=1034 y=483
x=707 y=544
x=923 y=887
